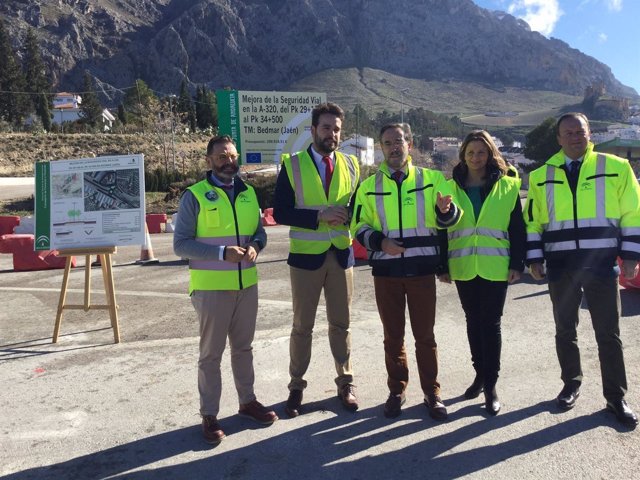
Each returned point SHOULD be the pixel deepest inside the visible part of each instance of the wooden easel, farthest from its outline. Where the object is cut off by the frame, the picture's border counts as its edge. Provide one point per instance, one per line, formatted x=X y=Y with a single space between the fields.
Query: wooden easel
x=109 y=288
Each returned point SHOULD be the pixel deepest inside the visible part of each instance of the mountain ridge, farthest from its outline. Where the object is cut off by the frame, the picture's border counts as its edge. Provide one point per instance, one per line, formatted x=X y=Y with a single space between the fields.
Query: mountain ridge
x=268 y=44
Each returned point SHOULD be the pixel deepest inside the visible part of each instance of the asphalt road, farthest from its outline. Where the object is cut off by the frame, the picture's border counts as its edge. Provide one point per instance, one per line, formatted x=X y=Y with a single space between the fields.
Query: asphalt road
x=16 y=187
x=86 y=408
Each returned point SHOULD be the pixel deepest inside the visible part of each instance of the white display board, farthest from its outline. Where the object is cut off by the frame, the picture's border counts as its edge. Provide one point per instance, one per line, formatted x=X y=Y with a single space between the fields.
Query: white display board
x=265 y=125
x=90 y=202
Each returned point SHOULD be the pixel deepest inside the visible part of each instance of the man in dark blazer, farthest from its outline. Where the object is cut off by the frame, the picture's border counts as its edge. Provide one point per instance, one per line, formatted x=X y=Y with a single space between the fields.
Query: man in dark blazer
x=313 y=193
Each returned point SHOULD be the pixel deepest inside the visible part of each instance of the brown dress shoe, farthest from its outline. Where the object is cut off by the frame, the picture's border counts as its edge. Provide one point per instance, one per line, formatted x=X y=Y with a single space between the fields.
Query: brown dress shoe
x=436 y=408
x=292 y=408
x=348 y=396
x=211 y=430
x=393 y=405
x=258 y=412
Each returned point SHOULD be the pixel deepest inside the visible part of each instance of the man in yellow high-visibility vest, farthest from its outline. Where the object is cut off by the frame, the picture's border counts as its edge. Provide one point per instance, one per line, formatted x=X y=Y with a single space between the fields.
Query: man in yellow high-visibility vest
x=397 y=215
x=220 y=231
x=582 y=211
x=313 y=192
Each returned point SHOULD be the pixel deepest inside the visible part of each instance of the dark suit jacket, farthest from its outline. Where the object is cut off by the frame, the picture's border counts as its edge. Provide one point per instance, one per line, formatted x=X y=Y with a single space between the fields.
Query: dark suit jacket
x=285 y=213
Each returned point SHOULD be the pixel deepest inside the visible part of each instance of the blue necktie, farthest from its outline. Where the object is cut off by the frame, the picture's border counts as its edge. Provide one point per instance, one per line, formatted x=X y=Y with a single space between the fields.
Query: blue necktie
x=574 y=173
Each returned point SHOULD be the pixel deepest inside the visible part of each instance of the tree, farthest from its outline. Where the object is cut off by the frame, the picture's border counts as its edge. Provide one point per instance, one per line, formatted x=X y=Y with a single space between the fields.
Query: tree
x=206 y=108
x=185 y=106
x=507 y=138
x=14 y=106
x=141 y=103
x=359 y=122
x=43 y=111
x=541 y=142
x=37 y=80
x=90 y=106
x=122 y=116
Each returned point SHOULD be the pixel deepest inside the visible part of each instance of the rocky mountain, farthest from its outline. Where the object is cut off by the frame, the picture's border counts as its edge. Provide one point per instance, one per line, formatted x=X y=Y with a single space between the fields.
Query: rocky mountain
x=270 y=44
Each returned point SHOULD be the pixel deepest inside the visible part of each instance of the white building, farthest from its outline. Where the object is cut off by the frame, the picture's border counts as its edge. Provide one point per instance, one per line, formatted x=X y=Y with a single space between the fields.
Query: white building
x=361 y=147
x=618 y=130
x=66 y=108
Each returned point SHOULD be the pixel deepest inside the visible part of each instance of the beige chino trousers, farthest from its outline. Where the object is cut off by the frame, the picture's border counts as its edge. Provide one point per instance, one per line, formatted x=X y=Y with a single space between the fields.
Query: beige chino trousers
x=222 y=314
x=306 y=286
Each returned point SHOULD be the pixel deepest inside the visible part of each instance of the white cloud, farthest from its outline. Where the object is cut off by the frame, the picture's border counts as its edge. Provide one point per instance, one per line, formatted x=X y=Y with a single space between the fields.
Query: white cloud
x=611 y=5
x=541 y=15
x=614 y=5
x=602 y=37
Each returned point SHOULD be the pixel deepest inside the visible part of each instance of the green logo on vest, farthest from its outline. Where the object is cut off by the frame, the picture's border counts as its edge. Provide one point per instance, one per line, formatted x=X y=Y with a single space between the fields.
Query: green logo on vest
x=585 y=186
x=407 y=201
x=211 y=195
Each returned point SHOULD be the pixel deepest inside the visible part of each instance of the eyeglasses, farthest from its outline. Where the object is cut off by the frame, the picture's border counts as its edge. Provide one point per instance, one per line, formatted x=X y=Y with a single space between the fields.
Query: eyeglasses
x=224 y=157
x=396 y=142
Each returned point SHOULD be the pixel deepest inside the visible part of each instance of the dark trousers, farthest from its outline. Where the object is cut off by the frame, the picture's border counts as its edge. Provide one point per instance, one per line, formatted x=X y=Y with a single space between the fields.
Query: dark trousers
x=393 y=294
x=483 y=301
x=603 y=298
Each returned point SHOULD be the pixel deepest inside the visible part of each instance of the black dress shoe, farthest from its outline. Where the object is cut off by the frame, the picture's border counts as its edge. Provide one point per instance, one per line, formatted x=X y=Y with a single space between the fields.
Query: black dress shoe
x=567 y=397
x=436 y=408
x=474 y=389
x=623 y=413
x=292 y=408
x=491 y=402
x=393 y=405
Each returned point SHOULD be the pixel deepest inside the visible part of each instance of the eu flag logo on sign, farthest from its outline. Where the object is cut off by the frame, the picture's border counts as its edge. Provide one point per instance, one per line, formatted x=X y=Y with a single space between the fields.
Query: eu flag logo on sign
x=254 y=157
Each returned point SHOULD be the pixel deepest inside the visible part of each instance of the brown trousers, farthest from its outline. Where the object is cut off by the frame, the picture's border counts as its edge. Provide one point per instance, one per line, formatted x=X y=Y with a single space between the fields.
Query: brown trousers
x=393 y=294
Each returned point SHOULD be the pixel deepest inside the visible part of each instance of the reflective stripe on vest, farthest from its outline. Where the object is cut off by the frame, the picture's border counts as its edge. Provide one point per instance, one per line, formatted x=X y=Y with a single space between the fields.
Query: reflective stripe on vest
x=310 y=194
x=420 y=206
x=298 y=189
x=221 y=223
x=318 y=236
x=426 y=237
x=217 y=264
x=480 y=246
x=492 y=252
x=600 y=219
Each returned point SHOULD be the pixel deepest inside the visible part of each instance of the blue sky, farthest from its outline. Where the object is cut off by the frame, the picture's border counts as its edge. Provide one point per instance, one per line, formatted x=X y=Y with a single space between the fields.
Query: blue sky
x=607 y=30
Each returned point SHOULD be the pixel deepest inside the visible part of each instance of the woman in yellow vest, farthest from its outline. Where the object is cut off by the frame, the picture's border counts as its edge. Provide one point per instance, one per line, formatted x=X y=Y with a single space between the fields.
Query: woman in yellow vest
x=486 y=252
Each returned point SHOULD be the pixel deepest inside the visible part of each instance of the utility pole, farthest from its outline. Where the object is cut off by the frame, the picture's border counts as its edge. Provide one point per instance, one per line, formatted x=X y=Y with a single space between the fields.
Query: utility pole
x=173 y=144
x=402 y=92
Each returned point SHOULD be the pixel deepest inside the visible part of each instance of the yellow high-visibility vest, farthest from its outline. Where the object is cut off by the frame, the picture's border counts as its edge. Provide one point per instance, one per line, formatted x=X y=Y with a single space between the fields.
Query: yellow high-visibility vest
x=221 y=223
x=406 y=214
x=310 y=194
x=600 y=222
x=480 y=246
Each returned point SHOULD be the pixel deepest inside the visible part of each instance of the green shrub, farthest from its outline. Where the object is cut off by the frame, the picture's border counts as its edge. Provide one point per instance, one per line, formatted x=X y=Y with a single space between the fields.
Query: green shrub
x=265 y=187
x=161 y=180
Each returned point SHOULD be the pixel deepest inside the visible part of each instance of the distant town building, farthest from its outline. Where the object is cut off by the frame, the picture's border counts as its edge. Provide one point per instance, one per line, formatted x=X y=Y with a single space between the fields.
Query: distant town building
x=515 y=155
x=625 y=148
x=618 y=130
x=65 y=100
x=361 y=147
x=67 y=108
